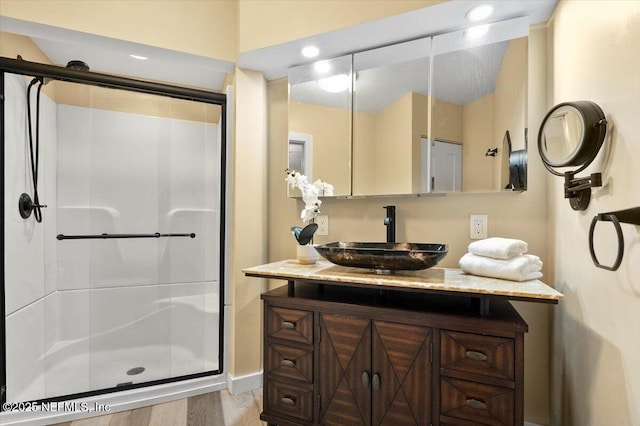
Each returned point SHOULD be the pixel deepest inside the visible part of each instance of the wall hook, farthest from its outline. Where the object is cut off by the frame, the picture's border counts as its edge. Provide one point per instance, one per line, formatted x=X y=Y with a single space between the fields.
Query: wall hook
x=491 y=152
x=630 y=216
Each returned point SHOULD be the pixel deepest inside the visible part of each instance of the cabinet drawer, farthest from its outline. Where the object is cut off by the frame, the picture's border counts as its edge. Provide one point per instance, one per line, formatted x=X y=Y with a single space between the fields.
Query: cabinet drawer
x=288 y=400
x=289 y=363
x=289 y=324
x=473 y=353
x=475 y=402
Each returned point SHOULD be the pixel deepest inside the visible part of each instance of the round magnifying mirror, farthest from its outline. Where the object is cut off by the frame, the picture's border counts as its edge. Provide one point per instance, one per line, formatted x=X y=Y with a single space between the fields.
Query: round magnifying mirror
x=571 y=134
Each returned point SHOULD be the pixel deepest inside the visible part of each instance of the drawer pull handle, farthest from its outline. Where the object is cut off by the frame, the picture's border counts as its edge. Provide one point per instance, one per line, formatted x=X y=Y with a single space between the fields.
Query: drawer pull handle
x=375 y=382
x=365 y=379
x=290 y=402
x=478 y=405
x=288 y=363
x=288 y=324
x=476 y=356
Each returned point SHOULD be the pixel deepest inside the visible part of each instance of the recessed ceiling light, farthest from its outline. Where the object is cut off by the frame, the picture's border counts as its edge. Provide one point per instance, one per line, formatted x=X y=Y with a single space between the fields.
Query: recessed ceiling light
x=142 y=58
x=322 y=67
x=310 y=51
x=476 y=32
x=479 y=13
x=336 y=83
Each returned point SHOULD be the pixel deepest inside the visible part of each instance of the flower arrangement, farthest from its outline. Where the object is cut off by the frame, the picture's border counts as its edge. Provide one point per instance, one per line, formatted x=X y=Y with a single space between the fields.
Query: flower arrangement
x=311 y=193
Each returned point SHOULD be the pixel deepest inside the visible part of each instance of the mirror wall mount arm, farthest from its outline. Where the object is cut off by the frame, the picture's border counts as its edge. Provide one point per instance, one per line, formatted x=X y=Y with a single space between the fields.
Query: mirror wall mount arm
x=630 y=216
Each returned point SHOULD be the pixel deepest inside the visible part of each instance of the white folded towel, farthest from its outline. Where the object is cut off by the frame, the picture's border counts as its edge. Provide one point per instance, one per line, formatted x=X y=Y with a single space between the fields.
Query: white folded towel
x=519 y=268
x=498 y=248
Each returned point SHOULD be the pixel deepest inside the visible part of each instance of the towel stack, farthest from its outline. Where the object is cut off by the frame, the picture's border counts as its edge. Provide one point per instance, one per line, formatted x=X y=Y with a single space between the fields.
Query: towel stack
x=503 y=258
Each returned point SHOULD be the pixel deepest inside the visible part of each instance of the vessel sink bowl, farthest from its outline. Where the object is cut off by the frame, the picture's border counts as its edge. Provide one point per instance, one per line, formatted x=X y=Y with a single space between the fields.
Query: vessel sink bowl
x=383 y=257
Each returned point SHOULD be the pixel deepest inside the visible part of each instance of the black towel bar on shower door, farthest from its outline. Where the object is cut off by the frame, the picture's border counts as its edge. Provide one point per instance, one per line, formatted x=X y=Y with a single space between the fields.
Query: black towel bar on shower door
x=110 y=236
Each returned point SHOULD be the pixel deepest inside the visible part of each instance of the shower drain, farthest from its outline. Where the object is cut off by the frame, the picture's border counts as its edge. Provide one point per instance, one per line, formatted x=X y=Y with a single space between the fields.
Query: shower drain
x=135 y=370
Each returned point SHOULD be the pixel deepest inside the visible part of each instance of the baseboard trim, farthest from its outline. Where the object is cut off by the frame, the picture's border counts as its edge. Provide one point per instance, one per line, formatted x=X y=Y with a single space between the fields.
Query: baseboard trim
x=531 y=424
x=118 y=401
x=245 y=383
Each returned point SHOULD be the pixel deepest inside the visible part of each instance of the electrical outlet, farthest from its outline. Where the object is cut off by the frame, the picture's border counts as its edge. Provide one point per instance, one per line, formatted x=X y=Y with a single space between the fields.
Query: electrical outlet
x=323 y=225
x=478 y=224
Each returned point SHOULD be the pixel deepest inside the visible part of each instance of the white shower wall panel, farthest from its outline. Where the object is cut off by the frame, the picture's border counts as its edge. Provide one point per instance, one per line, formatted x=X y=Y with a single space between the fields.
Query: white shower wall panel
x=67 y=343
x=147 y=175
x=25 y=356
x=27 y=254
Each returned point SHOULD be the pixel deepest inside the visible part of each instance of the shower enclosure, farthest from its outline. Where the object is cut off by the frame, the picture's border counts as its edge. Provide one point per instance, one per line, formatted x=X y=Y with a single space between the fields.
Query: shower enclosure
x=120 y=285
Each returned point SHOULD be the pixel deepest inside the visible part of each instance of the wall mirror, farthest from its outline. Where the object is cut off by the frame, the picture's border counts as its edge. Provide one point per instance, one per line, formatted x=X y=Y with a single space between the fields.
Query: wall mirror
x=478 y=106
x=390 y=117
x=438 y=114
x=320 y=122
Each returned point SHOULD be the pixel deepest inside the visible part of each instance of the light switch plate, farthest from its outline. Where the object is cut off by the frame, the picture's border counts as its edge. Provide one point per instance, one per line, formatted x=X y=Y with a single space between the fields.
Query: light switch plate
x=478 y=224
x=323 y=225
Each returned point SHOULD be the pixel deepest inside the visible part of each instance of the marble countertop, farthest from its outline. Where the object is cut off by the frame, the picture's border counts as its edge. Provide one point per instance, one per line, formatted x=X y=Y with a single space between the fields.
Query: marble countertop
x=445 y=280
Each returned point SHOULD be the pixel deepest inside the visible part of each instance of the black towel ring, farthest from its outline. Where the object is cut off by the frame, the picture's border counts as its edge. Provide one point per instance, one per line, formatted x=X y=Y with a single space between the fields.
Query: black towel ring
x=631 y=216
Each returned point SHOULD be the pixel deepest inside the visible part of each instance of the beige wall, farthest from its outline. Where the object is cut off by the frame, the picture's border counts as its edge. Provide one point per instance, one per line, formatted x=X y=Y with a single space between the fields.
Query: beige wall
x=265 y=23
x=509 y=107
x=436 y=220
x=331 y=131
x=206 y=28
x=391 y=148
x=250 y=232
x=596 y=362
x=477 y=129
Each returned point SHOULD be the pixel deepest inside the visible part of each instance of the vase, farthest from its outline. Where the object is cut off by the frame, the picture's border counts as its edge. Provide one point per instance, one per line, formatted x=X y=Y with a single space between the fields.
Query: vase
x=306 y=255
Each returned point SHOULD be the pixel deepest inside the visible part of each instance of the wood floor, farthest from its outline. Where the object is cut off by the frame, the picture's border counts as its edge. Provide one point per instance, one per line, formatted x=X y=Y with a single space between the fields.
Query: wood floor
x=211 y=409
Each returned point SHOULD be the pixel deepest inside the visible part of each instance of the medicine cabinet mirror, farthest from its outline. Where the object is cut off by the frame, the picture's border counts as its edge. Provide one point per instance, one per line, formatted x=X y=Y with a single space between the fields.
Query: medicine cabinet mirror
x=320 y=122
x=438 y=114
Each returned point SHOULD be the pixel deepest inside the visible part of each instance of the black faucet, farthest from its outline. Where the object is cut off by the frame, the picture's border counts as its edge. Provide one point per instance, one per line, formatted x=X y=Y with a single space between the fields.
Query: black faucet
x=390 y=223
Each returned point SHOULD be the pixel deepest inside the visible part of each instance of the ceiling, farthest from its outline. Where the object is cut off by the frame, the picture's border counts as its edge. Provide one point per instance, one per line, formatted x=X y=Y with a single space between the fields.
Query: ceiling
x=275 y=61
x=111 y=56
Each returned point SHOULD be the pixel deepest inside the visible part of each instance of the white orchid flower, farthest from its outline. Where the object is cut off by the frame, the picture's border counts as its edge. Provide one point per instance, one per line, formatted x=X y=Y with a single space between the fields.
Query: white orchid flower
x=310 y=193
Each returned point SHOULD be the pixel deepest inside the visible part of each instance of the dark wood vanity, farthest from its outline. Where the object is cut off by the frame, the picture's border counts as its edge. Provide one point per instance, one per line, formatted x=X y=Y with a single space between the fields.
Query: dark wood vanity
x=357 y=354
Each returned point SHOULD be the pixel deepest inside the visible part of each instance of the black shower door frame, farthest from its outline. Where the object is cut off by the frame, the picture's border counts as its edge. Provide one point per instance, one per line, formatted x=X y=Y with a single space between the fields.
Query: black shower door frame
x=33 y=69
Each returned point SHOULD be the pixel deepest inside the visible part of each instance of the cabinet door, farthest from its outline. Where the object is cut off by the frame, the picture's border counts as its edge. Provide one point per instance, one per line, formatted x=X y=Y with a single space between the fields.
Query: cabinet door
x=401 y=367
x=344 y=360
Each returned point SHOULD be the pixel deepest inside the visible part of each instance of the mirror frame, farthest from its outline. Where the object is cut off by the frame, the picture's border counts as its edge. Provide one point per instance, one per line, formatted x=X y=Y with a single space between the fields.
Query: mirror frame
x=594 y=132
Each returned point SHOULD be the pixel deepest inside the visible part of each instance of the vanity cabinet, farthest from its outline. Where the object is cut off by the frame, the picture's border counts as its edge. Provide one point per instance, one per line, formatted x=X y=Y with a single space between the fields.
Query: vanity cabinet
x=354 y=356
x=375 y=372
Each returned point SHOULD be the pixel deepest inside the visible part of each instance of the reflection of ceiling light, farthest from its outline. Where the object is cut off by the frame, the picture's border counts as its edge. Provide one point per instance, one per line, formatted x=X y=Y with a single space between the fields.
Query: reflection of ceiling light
x=142 y=58
x=310 y=51
x=336 y=83
x=476 y=32
x=322 y=67
x=479 y=13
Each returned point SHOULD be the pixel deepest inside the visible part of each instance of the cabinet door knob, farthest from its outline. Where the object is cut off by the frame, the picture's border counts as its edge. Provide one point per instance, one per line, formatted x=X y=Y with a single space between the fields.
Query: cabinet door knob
x=474 y=403
x=476 y=356
x=288 y=401
x=288 y=363
x=365 y=379
x=375 y=382
x=288 y=324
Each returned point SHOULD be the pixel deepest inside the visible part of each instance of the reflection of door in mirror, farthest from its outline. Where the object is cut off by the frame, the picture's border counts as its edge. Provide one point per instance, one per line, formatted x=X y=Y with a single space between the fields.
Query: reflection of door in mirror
x=485 y=80
x=444 y=165
x=320 y=111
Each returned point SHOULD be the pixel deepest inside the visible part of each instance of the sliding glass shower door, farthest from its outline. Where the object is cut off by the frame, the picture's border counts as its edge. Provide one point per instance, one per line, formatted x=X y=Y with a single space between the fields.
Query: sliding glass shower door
x=120 y=284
